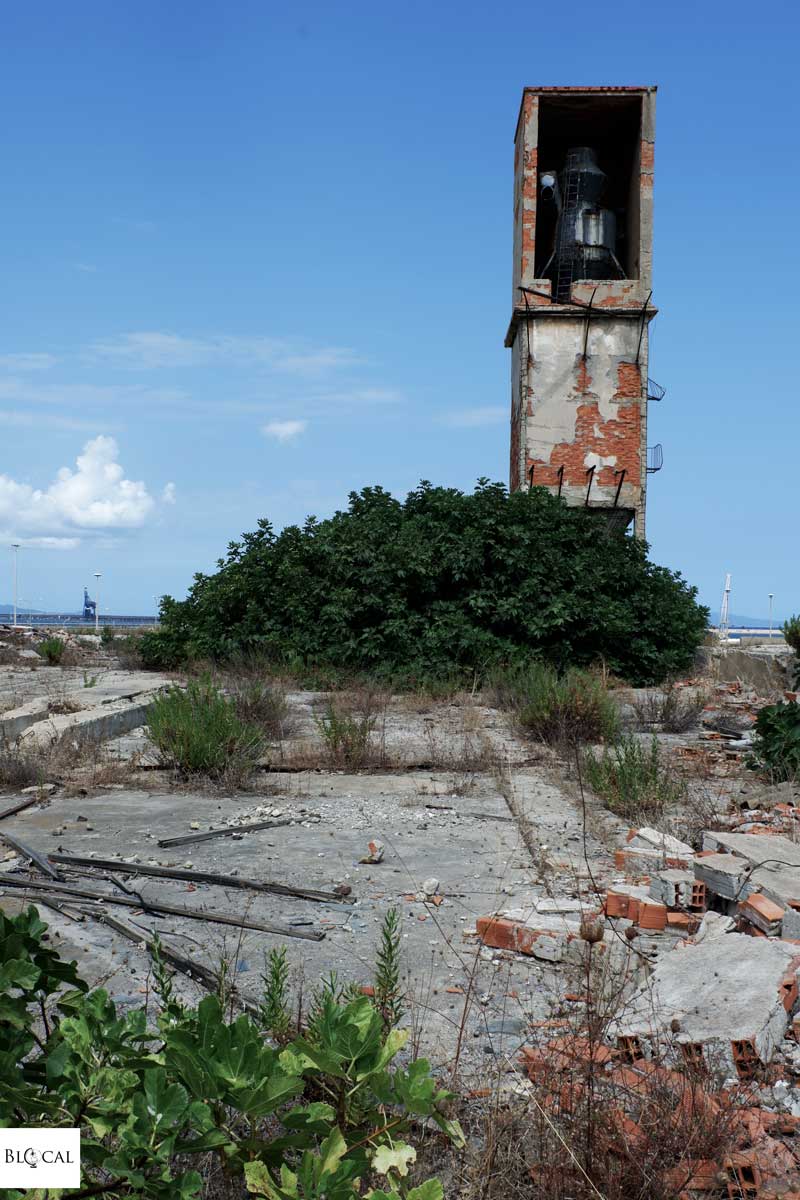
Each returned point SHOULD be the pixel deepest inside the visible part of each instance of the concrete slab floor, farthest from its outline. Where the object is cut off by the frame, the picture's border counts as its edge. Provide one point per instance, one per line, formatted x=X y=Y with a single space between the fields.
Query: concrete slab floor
x=452 y=791
x=481 y=864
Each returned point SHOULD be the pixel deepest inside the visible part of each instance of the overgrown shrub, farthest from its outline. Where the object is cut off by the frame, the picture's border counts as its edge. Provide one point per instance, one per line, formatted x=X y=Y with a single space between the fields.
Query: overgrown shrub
x=20 y=766
x=257 y=698
x=197 y=730
x=128 y=651
x=52 y=650
x=776 y=744
x=675 y=709
x=559 y=709
x=158 y=1104
x=791 y=633
x=346 y=735
x=631 y=779
x=107 y=636
x=442 y=581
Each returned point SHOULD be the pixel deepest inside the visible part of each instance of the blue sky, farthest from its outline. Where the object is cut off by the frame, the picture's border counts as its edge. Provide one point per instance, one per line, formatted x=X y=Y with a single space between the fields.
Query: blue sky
x=258 y=255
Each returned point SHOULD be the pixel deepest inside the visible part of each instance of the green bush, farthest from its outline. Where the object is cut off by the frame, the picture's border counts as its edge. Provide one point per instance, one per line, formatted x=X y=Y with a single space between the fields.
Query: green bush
x=776 y=745
x=791 y=632
x=158 y=1103
x=197 y=729
x=52 y=649
x=559 y=709
x=631 y=779
x=346 y=736
x=442 y=582
x=107 y=636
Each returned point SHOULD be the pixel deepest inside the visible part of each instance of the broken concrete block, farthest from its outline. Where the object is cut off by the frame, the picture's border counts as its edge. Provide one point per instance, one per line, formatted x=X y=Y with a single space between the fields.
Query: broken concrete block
x=653 y=839
x=646 y=861
x=791 y=923
x=625 y=900
x=724 y=995
x=723 y=874
x=672 y=887
x=763 y=913
x=775 y=861
x=541 y=936
x=560 y=904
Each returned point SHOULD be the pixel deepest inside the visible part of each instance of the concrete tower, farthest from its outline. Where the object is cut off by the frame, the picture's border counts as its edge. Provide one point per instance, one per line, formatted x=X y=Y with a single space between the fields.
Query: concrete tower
x=583 y=235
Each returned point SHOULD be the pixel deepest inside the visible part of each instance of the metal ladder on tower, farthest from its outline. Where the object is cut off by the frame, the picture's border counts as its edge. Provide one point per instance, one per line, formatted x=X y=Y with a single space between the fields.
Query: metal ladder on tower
x=566 y=250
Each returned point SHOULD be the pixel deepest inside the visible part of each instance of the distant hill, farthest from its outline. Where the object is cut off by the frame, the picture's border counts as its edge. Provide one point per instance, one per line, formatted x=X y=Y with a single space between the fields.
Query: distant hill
x=748 y=622
x=8 y=609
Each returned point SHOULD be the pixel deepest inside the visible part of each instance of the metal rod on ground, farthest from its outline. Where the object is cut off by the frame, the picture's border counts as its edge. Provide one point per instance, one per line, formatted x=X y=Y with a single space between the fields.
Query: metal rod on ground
x=197 y=972
x=15 y=808
x=32 y=855
x=187 y=839
x=211 y=877
x=156 y=906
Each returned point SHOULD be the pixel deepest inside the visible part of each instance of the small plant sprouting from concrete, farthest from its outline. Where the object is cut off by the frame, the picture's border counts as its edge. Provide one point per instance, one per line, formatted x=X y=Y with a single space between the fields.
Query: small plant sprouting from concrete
x=347 y=735
x=259 y=702
x=274 y=1011
x=388 y=993
x=631 y=779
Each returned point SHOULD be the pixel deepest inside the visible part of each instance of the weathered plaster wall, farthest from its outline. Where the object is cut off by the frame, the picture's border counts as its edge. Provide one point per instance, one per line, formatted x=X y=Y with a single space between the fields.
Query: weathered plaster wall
x=580 y=413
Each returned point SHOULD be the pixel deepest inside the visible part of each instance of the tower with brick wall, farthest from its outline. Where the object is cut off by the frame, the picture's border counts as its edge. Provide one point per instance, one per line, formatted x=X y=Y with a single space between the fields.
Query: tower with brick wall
x=583 y=233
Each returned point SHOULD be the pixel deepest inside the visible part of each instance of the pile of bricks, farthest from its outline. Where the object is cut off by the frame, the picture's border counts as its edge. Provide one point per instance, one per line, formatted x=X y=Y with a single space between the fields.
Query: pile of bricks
x=644 y=1111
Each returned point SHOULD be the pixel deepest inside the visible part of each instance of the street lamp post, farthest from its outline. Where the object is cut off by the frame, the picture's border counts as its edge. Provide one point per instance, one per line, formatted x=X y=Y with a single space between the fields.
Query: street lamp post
x=771 y=598
x=15 y=548
x=98 y=576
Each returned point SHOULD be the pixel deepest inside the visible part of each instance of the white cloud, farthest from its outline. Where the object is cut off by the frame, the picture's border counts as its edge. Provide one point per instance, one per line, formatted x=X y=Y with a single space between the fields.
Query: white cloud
x=93 y=497
x=43 y=543
x=284 y=431
x=27 y=362
x=474 y=418
x=87 y=268
x=168 y=494
x=150 y=349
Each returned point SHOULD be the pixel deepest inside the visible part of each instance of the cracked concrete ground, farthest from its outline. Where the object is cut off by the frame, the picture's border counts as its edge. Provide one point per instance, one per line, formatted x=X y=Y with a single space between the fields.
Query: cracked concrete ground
x=492 y=826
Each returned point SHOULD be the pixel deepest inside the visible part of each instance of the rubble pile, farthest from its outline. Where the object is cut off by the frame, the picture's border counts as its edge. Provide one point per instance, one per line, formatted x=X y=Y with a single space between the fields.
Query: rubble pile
x=707 y=945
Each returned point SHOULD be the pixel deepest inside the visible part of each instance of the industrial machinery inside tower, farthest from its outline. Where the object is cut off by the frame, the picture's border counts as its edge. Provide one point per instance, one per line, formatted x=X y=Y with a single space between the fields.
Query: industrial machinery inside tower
x=585 y=242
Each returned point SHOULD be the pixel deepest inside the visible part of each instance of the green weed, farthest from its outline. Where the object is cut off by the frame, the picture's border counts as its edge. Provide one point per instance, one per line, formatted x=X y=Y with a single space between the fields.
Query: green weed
x=559 y=709
x=198 y=730
x=631 y=780
x=52 y=650
x=776 y=745
x=346 y=736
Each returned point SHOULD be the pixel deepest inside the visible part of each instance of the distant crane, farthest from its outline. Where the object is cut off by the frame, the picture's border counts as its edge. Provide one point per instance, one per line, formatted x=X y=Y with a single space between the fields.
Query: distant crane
x=89 y=606
x=724 y=612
